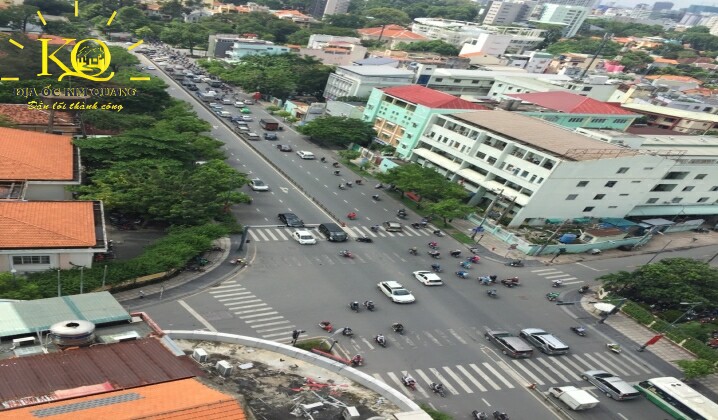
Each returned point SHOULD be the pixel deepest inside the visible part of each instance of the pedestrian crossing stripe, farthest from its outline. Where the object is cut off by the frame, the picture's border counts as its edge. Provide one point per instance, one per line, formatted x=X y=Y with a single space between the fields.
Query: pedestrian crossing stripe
x=276 y=234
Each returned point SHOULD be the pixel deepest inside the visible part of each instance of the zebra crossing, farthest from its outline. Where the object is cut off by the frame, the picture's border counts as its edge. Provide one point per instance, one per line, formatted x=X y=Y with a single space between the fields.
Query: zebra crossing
x=554 y=274
x=277 y=234
x=265 y=320
x=508 y=374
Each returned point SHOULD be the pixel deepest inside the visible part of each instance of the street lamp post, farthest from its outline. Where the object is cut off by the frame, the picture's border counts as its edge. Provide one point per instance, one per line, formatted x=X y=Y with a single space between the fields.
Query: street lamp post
x=59 y=285
x=659 y=252
x=14 y=278
x=655 y=338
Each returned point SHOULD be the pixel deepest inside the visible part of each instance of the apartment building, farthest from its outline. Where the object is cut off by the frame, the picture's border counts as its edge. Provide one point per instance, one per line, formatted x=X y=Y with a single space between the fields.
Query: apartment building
x=252 y=46
x=478 y=83
x=506 y=12
x=359 y=81
x=682 y=121
x=569 y=16
x=530 y=170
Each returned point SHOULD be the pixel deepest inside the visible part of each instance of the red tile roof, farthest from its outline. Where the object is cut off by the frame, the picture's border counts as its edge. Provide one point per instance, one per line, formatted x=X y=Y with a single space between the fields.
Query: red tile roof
x=571 y=103
x=185 y=399
x=47 y=224
x=20 y=114
x=430 y=98
x=29 y=155
x=54 y=39
x=392 y=32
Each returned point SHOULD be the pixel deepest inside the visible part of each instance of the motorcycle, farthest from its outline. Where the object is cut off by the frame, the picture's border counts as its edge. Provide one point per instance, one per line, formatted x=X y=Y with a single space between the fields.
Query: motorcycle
x=456 y=253
x=556 y=283
x=326 y=326
x=515 y=263
x=337 y=173
x=511 y=282
x=401 y=215
x=465 y=264
x=346 y=254
x=433 y=245
x=462 y=274
x=341 y=187
x=409 y=382
x=357 y=360
x=418 y=225
x=487 y=280
x=413 y=251
x=336 y=165
x=398 y=328
x=614 y=347
x=349 y=184
x=552 y=296
x=352 y=216
x=434 y=254
x=436 y=268
x=369 y=305
x=364 y=239
x=479 y=415
x=375 y=197
x=358 y=182
x=439 y=233
x=475 y=259
x=378 y=186
x=347 y=332
x=583 y=289
x=374 y=228
x=500 y=416
x=492 y=293
x=238 y=261
x=438 y=389
x=380 y=340
x=354 y=306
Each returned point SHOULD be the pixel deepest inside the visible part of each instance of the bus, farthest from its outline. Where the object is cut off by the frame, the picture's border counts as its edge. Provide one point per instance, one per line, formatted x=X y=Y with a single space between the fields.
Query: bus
x=678 y=399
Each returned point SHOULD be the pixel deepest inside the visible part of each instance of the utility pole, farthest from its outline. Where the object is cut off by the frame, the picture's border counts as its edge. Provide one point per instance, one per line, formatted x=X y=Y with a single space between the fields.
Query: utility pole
x=491 y=206
x=553 y=235
x=606 y=37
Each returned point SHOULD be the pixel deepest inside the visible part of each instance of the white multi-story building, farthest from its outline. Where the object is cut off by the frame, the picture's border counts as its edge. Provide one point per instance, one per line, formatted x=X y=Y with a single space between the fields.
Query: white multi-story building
x=504 y=12
x=336 y=7
x=571 y=17
x=530 y=170
x=454 y=32
x=478 y=83
x=533 y=62
x=360 y=80
x=252 y=46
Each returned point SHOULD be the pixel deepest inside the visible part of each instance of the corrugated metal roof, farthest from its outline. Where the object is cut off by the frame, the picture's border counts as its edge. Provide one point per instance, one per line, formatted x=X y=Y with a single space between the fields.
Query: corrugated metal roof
x=26 y=317
x=183 y=399
x=112 y=366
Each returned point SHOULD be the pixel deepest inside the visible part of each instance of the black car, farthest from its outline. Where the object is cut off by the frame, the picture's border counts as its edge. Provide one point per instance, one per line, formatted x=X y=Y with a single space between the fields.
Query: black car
x=193 y=87
x=284 y=148
x=291 y=220
x=270 y=136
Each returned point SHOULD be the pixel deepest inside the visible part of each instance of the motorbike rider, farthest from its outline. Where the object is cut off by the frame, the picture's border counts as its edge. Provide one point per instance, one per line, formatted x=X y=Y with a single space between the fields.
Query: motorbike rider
x=357 y=360
x=375 y=228
x=454 y=253
x=436 y=267
x=583 y=289
x=614 y=346
x=375 y=197
x=465 y=264
x=436 y=387
x=557 y=283
x=349 y=184
x=346 y=253
x=337 y=172
x=401 y=211
x=433 y=244
x=341 y=186
x=354 y=306
x=336 y=165
x=413 y=250
x=397 y=327
x=491 y=292
x=434 y=254
x=323 y=159
x=347 y=331
x=352 y=215
x=462 y=274
x=369 y=304
x=408 y=380
x=380 y=339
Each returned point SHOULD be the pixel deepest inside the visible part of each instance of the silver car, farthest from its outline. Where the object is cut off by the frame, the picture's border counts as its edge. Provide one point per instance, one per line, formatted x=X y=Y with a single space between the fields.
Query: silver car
x=611 y=385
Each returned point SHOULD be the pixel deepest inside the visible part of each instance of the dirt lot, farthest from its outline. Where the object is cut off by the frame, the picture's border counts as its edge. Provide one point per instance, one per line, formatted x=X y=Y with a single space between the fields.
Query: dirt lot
x=275 y=386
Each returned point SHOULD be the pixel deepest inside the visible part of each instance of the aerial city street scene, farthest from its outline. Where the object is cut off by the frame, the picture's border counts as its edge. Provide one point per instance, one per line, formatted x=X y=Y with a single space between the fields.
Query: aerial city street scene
x=359 y=209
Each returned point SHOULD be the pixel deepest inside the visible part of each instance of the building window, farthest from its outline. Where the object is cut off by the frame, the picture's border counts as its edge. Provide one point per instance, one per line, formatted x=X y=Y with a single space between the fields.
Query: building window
x=688 y=188
x=622 y=170
x=457 y=80
x=664 y=187
x=652 y=201
x=620 y=120
x=714 y=189
x=575 y=119
x=599 y=196
x=635 y=182
x=474 y=82
x=598 y=120
x=610 y=184
x=623 y=195
x=587 y=89
x=31 y=259
x=582 y=183
x=676 y=200
x=587 y=209
x=612 y=207
x=571 y=197
x=439 y=79
x=703 y=199
x=700 y=176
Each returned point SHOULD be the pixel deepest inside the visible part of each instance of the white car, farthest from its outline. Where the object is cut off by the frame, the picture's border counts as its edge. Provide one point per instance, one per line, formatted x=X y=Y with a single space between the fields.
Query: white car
x=226 y=101
x=428 y=278
x=249 y=102
x=304 y=237
x=305 y=155
x=239 y=104
x=396 y=292
x=247 y=118
x=151 y=68
x=257 y=184
x=224 y=114
x=206 y=79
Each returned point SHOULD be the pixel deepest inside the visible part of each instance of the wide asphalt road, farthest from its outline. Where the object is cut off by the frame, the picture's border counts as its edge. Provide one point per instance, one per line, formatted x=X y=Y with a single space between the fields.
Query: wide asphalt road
x=291 y=286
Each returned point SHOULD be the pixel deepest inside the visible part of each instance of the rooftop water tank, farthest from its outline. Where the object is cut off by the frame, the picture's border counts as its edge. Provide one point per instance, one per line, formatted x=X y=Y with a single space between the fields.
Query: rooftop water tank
x=73 y=333
x=567 y=238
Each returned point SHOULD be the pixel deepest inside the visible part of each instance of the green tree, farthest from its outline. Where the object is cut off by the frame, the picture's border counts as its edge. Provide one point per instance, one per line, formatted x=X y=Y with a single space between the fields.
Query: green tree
x=17 y=17
x=386 y=16
x=698 y=368
x=339 y=131
x=552 y=35
x=450 y=208
x=185 y=35
x=50 y=7
x=346 y=20
x=435 y=46
x=584 y=46
x=129 y=18
x=635 y=60
x=426 y=182
x=172 y=8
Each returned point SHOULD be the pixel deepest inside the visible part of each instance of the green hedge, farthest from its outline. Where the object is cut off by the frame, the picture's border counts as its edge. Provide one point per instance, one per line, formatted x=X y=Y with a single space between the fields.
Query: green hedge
x=171 y=252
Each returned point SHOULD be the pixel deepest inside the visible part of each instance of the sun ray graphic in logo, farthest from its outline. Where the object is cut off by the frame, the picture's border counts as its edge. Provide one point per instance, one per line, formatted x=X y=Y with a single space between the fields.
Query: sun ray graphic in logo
x=89 y=58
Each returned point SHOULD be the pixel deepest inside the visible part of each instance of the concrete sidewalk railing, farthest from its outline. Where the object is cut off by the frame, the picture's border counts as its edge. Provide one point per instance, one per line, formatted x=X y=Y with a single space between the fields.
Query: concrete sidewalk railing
x=394 y=396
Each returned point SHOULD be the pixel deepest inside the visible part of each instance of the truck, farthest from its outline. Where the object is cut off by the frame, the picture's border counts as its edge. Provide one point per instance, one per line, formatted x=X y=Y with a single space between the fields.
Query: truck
x=208 y=96
x=576 y=399
x=269 y=124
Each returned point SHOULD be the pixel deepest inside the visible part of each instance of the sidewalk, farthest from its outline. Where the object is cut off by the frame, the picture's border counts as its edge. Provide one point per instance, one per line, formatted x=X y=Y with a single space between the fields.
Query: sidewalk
x=671 y=242
x=639 y=334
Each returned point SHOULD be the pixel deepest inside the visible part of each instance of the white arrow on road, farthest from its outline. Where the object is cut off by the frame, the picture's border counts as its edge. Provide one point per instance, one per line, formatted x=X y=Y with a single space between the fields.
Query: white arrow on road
x=284 y=190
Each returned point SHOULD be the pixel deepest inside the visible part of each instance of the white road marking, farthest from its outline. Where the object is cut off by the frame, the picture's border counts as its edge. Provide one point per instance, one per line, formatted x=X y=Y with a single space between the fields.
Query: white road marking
x=269 y=324
x=256 y=315
x=444 y=382
x=285 y=190
x=458 y=380
x=399 y=385
x=485 y=377
x=541 y=371
x=283 y=327
x=590 y=268
x=197 y=316
x=241 y=305
x=528 y=372
x=251 y=296
x=471 y=378
x=498 y=375
x=418 y=388
x=551 y=368
x=263 y=319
